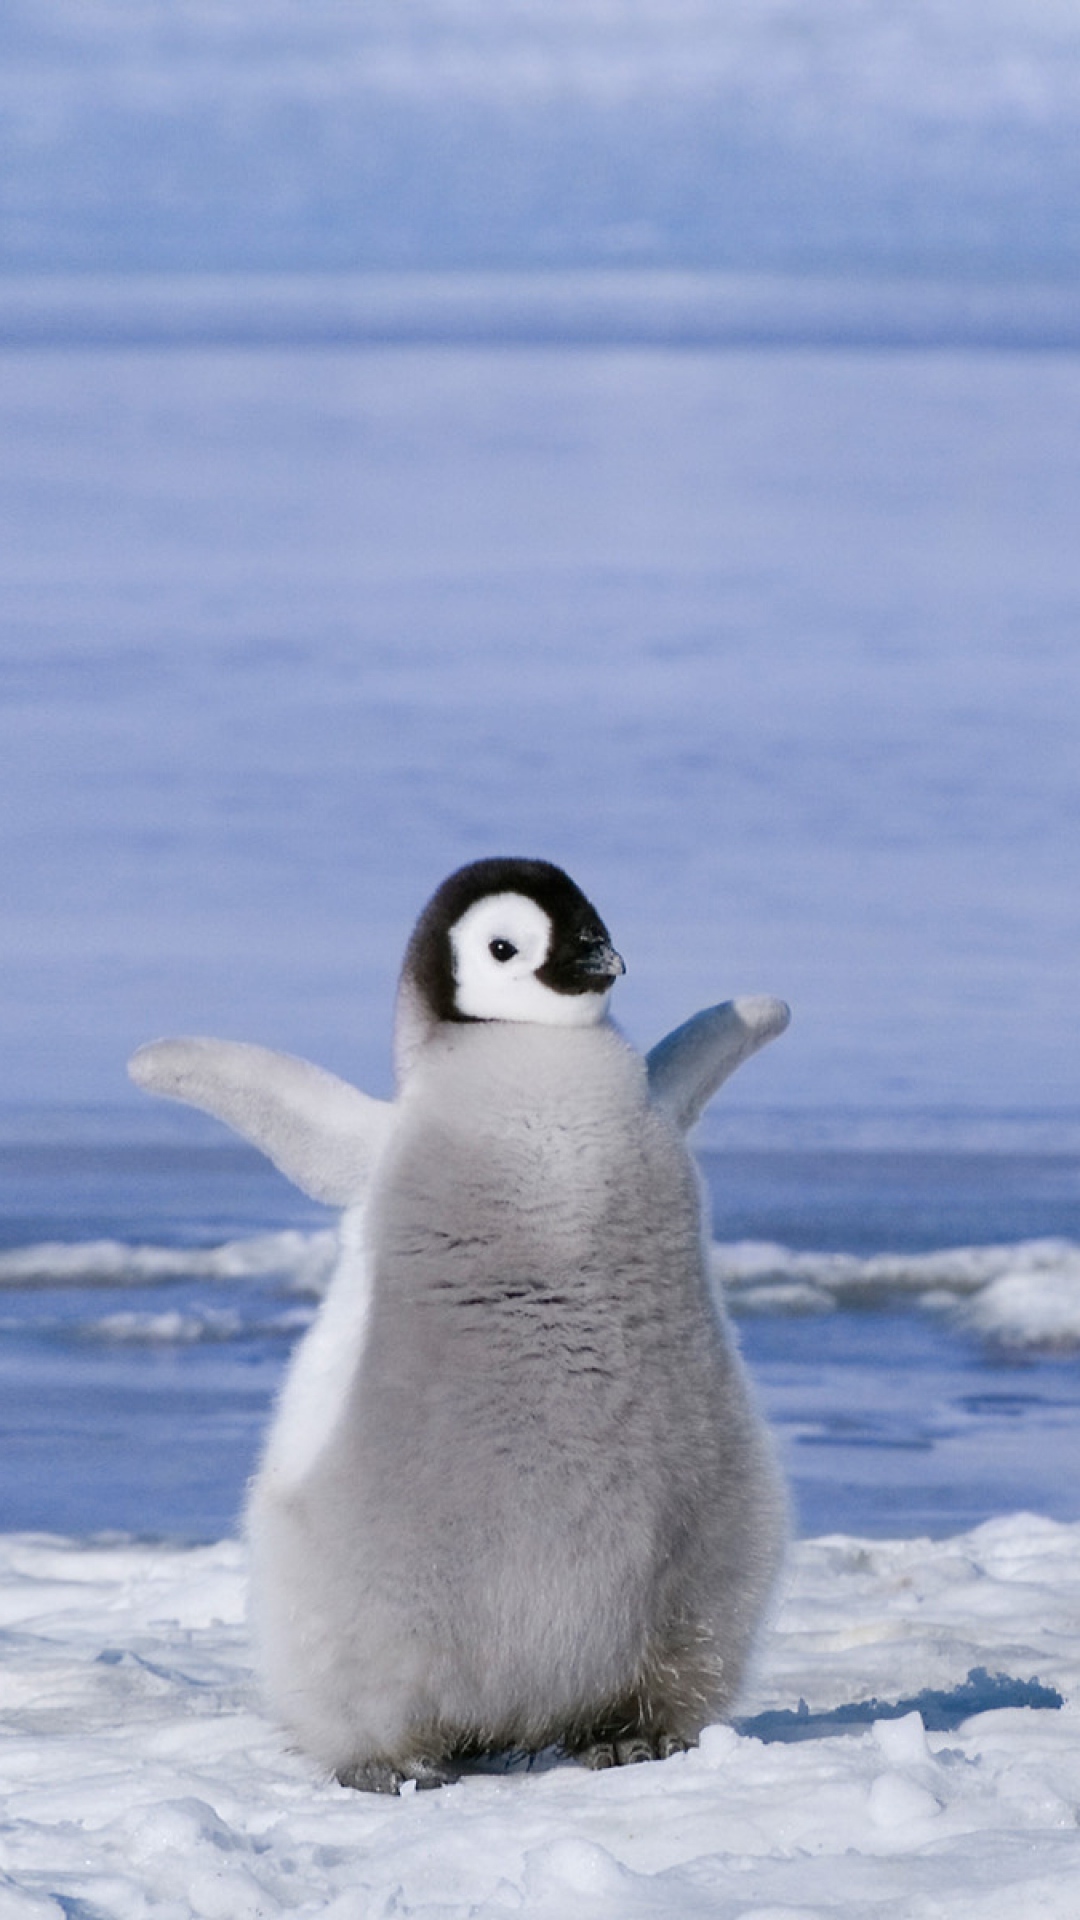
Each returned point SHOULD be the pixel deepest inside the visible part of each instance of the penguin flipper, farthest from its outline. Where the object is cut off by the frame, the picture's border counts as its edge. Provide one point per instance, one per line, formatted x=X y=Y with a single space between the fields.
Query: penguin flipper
x=323 y=1134
x=687 y=1067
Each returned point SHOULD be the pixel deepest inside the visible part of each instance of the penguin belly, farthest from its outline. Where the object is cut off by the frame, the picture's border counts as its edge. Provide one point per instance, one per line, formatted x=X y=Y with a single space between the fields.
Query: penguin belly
x=545 y=1509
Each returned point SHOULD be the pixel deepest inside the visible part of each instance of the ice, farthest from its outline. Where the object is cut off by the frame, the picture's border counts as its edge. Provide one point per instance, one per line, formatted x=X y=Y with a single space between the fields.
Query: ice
x=141 y=1778
x=1032 y=1308
x=164 y=1329
x=1026 y=1295
x=305 y=1257
x=1022 y=1295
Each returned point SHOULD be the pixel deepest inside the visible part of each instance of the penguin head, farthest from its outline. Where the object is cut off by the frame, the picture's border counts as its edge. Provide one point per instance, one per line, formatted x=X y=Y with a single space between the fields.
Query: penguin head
x=508 y=939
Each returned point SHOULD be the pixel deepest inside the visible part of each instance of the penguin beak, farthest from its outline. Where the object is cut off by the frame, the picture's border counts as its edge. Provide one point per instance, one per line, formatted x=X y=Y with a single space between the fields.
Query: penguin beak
x=599 y=961
x=586 y=962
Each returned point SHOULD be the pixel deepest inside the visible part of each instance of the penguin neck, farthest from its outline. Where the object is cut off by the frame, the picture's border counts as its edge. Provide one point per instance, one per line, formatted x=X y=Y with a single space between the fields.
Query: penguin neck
x=493 y=1077
x=510 y=1048
x=417 y=1031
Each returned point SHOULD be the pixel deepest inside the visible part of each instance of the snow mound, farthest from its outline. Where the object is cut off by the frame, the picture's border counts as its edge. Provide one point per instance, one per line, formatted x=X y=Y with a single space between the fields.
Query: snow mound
x=141 y=1778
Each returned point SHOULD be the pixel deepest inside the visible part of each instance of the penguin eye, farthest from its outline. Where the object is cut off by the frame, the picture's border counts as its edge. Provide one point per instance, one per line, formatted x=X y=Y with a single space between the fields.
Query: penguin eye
x=501 y=949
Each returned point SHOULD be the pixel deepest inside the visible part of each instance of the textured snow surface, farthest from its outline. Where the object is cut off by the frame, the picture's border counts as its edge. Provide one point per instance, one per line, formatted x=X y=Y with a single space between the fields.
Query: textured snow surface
x=140 y=1778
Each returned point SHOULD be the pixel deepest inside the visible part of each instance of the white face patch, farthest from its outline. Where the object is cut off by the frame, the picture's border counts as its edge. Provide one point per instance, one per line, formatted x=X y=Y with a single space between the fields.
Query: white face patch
x=497 y=945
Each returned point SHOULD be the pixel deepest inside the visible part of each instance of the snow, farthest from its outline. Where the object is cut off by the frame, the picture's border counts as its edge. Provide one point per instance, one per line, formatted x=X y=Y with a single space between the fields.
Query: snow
x=142 y=1779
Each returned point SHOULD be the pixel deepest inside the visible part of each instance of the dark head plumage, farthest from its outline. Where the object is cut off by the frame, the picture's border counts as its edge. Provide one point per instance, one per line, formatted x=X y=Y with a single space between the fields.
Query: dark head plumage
x=579 y=958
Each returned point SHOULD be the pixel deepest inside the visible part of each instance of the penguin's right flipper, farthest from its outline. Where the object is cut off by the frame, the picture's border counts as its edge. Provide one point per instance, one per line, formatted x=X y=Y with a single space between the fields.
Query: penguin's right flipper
x=322 y=1133
x=687 y=1067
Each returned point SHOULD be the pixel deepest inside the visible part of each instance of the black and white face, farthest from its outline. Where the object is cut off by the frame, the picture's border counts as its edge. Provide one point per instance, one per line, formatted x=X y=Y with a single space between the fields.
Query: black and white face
x=509 y=939
x=510 y=965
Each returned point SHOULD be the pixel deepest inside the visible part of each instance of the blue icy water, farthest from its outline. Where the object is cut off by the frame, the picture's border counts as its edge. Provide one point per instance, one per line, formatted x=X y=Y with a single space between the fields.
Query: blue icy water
x=140 y=1356
x=625 y=435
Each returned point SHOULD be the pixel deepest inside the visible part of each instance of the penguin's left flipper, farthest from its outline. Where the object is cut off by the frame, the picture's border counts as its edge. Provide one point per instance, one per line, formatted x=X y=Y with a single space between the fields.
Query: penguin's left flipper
x=687 y=1067
x=322 y=1133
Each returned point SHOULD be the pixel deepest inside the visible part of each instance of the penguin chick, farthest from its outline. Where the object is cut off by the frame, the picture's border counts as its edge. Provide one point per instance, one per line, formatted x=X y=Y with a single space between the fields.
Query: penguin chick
x=516 y=1492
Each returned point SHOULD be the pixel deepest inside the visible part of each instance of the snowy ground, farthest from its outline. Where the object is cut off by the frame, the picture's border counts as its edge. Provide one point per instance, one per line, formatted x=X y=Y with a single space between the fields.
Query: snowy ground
x=141 y=1780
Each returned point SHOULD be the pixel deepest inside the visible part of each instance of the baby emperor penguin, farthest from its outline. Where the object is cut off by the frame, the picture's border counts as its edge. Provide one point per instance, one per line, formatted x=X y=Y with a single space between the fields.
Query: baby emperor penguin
x=517 y=1493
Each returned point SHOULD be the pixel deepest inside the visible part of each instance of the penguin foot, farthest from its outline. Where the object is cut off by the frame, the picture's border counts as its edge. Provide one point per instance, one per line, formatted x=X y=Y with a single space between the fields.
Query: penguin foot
x=371 y=1776
x=630 y=1750
x=381 y=1776
x=432 y=1773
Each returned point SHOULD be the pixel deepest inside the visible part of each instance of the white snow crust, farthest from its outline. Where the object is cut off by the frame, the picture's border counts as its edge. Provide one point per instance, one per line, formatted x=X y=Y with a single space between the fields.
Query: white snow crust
x=139 y=1777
